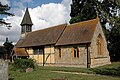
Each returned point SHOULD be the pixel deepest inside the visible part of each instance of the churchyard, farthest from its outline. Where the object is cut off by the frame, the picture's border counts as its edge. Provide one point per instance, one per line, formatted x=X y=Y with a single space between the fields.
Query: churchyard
x=108 y=72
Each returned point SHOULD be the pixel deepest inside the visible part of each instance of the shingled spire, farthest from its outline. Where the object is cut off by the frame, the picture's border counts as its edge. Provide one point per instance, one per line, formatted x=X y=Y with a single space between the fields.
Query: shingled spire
x=26 y=24
x=26 y=19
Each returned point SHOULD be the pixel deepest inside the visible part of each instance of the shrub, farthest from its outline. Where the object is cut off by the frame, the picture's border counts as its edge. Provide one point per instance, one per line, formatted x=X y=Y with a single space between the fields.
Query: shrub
x=23 y=64
x=113 y=71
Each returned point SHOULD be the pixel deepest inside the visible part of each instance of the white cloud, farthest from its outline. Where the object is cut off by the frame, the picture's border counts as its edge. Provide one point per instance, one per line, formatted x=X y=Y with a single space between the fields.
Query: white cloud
x=48 y=15
x=67 y=4
x=17 y=11
x=43 y=16
x=4 y=2
x=13 y=33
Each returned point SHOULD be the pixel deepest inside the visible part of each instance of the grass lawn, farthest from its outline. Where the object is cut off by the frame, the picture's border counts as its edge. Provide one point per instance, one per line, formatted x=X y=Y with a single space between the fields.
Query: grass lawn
x=46 y=73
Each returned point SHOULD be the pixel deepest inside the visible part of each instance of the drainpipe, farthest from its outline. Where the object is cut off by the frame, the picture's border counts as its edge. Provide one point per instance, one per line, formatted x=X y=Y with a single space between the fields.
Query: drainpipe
x=88 y=57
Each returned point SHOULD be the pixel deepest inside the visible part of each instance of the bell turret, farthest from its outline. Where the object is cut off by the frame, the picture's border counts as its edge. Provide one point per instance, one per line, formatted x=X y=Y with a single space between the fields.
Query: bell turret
x=26 y=24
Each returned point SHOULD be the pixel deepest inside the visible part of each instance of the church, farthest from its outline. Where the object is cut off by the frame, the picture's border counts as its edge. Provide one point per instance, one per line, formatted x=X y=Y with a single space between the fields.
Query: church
x=81 y=44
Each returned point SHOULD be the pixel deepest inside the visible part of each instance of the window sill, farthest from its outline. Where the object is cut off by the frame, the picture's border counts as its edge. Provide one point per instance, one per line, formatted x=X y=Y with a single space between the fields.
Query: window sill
x=99 y=57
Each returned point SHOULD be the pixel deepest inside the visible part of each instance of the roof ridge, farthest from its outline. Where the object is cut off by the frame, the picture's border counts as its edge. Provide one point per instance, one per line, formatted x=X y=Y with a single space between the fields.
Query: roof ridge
x=48 y=28
x=82 y=22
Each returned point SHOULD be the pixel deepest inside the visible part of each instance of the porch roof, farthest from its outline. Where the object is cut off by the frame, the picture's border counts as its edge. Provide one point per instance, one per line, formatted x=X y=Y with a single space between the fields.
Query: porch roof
x=20 y=52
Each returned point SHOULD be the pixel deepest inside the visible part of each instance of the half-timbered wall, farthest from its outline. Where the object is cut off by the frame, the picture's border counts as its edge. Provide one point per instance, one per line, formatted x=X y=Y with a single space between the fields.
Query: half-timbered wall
x=48 y=55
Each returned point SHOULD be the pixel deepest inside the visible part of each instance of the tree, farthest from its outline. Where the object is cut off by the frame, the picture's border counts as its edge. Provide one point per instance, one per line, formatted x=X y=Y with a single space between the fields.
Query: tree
x=2 y=51
x=114 y=40
x=3 y=11
x=82 y=10
x=8 y=47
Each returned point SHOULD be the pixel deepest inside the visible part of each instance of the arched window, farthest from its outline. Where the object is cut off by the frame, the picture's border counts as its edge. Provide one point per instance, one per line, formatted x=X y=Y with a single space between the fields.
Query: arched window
x=59 y=52
x=100 y=45
x=75 y=52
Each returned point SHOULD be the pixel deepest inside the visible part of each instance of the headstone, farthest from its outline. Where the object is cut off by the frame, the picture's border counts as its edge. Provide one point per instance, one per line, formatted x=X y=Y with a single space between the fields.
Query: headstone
x=3 y=70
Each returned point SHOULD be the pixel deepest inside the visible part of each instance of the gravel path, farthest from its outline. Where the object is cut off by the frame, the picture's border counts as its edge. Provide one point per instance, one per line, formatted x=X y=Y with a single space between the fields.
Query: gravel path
x=73 y=73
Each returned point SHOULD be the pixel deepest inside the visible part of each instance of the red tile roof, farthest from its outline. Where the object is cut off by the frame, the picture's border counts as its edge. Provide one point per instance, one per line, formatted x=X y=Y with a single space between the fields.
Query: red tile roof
x=20 y=52
x=42 y=37
x=78 y=33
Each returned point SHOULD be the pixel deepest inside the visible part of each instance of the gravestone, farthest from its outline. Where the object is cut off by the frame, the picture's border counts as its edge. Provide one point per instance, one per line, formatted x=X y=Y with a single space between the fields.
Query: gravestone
x=3 y=70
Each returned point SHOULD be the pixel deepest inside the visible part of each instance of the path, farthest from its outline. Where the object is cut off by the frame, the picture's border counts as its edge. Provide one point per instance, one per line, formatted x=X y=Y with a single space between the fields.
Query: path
x=73 y=73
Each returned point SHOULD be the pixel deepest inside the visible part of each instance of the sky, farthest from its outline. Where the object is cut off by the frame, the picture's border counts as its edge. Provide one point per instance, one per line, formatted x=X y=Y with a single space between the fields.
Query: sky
x=44 y=14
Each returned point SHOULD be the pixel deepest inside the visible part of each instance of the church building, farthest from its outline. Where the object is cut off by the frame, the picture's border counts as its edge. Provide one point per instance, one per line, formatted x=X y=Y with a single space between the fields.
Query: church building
x=81 y=44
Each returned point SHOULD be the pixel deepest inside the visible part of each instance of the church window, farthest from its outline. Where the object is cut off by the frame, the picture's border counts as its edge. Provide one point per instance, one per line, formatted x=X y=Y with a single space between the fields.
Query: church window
x=75 y=52
x=59 y=49
x=100 y=45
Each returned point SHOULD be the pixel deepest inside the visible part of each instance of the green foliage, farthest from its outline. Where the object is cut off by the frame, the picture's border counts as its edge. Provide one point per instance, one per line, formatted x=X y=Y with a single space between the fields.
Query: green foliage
x=8 y=46
x=108 y=71
x=47 y=73
x=80 y=10
x=23 y=64
x=112 y=69
x=114 y=41
x=2 y=51
x=84 y=10
x=4 y=11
